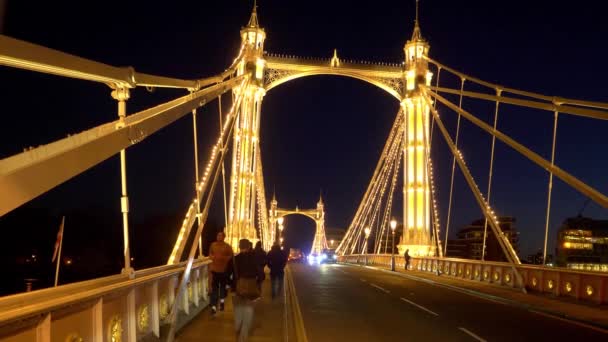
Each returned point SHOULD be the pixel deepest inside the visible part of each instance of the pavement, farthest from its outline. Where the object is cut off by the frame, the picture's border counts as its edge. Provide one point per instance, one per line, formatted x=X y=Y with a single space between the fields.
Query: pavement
x=268 y=324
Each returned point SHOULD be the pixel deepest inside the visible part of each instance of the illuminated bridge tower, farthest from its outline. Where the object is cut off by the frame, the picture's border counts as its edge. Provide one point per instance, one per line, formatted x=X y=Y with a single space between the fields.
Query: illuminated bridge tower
x=320 y=242
x=241 y=212
x=416 y=185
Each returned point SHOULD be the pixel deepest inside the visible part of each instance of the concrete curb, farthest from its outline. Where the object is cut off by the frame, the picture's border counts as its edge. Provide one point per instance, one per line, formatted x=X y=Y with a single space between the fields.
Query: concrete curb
x=509 y=302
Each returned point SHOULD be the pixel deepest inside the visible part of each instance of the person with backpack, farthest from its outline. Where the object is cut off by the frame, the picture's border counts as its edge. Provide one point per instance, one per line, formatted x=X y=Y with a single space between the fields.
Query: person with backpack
x=247 y=275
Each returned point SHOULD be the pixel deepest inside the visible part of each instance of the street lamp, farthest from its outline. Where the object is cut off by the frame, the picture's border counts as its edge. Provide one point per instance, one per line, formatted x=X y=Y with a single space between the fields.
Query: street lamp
x=393 y=227
x=367 y=231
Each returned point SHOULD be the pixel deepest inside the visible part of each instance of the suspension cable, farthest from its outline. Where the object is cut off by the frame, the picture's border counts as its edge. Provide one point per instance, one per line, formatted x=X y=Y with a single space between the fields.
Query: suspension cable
x=434 y=106
x=504 y=243
x=447 y=225
x=550 y=186
x=219 y=104
x=485 y=226
x=569 y=179
x=554 y=99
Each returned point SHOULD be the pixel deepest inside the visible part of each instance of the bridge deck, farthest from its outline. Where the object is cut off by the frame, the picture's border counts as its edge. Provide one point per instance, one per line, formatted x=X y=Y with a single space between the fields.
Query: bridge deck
x=352 y=303
x=560 y=306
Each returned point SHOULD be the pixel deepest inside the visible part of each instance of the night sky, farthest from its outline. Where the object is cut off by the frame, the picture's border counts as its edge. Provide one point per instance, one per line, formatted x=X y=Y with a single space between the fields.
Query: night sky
x=319 y=134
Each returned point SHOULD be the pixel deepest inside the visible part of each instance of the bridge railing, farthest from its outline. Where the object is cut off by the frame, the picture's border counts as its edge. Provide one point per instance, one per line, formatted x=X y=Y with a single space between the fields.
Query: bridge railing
x=114 y=308
x=580 y=285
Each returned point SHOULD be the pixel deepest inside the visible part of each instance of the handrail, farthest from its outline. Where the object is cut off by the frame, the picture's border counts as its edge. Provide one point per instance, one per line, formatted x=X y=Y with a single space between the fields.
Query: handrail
x=23 y=305
x=24 y=55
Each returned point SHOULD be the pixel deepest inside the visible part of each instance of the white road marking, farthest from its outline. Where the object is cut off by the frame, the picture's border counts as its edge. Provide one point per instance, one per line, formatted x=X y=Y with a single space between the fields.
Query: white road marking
x=363 y=280
x=419 y=306
x=380 y=288
x=472 y=335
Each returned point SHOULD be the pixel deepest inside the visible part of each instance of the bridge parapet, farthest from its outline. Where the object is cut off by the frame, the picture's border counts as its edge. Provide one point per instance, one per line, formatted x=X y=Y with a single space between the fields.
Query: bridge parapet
x=116 y=308
x=580 y=285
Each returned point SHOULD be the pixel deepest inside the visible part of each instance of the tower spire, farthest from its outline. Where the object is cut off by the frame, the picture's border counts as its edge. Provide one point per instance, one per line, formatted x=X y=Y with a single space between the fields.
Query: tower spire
x=253 y=21
x=416 y=35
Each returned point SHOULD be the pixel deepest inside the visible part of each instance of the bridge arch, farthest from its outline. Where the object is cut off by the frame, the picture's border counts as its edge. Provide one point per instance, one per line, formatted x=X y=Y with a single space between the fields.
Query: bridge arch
x=391 y=85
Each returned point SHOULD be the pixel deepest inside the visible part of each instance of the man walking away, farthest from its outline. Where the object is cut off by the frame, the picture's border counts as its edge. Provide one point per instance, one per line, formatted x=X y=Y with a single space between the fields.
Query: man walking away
x=276 y=262
x=221 y=255
x=407 y=259
x=247 y=275
x=260 y=260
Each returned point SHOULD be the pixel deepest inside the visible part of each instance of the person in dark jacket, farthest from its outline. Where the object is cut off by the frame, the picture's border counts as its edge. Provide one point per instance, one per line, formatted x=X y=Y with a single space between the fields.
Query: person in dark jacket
x=407 y=258
x=245 y=266
x=277 y=259
x=260 y=260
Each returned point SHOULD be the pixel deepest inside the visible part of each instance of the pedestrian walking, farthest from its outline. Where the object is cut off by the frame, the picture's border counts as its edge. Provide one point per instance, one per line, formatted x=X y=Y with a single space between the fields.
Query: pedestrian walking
x=277 y=259
x=221 y=256
x=407 y=258
x=247 y=275
x=260 y=260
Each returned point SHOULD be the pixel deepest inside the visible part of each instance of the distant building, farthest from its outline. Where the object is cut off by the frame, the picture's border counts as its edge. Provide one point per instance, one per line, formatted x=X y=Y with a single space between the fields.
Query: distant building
x=469 y=241
x=582 y=243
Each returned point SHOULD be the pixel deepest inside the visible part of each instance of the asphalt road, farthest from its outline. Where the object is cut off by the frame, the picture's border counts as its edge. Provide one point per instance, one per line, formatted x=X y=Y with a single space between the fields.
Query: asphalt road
x=350 y=303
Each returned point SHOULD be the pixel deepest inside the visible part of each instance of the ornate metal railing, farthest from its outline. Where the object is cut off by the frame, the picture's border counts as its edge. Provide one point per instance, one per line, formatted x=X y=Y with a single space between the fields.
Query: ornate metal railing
x=114 y=308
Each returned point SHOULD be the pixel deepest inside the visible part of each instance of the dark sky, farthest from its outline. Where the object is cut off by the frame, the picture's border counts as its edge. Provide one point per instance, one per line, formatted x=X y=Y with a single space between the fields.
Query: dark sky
x=319 y=133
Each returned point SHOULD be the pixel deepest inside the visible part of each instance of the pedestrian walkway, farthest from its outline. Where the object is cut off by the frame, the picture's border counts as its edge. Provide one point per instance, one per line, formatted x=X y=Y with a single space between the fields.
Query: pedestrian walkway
x=582 y=312
x=268 y=325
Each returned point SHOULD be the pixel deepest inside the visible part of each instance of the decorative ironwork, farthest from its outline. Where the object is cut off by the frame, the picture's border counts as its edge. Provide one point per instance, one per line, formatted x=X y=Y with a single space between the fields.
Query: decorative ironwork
x=274 y=75
x=143 y=318
x=115 y=329
x=163 y=307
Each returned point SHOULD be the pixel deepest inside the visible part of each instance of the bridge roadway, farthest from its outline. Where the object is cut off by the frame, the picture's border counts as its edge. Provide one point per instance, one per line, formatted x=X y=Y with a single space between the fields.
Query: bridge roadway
x=352 y=303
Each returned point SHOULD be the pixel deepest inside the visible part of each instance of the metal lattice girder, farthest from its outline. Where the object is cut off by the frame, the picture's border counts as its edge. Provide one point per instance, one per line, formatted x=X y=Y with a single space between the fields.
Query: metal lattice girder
x=27 y=175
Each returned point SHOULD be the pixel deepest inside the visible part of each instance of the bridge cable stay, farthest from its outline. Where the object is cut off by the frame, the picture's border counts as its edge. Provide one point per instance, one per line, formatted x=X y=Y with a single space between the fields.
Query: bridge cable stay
x=196 y=179
x=222 y=151
x=566 y=177
x=490 y=173
x=436 y=241
x=434 y=106
x=203 y=185
x=367 y=210
x=375 y=206
x=349 y=236
x=447 y=224
x=553 y=99
x=28 y=56
x=389 y=204
x=76 y=153
x=363 y=216
x=393 y=168
x=550 y=187
x=265 y=231
x=504 y=243
x=215 y=172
